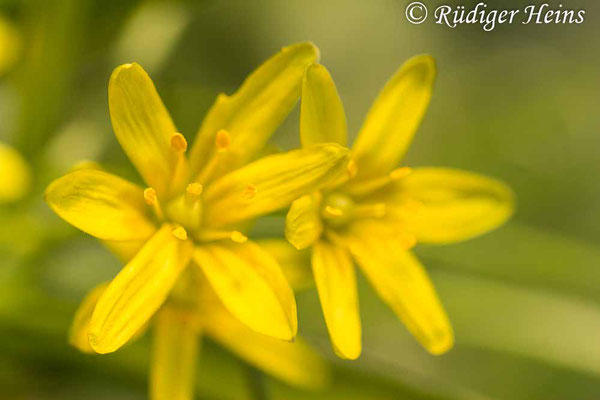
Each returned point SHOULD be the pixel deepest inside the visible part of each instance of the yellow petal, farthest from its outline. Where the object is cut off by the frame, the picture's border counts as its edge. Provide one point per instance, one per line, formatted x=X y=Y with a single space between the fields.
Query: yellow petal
x=15 y=176
x=138 y=290
x=101 y=204
x=277 y=181
x=394 y=117
x=322 y=117
x=439 y=205
x=80 y=328
x=10 y=45
x=124 y=250
x=143 y=125
x=295 y=264
x=387 y=231
x=252 y=114
x=294 y=363
x=336 y=283
x=174 y=354
x=303 y=225
x=401 y=281
x=251 y=285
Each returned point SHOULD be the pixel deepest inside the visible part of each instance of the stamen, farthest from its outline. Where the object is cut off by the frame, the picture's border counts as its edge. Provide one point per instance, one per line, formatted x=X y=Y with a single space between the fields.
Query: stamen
x=250 y=191
x=223 y=140
x=238 y=237
x=400 y=173
x=151 y=199
x=209 y=235
x=178 y=143
x=222 y=143
x=194 y=189
x=150 y=196
x=352 y=168
x=180 y=233
x=333 y=211
x=181 y=168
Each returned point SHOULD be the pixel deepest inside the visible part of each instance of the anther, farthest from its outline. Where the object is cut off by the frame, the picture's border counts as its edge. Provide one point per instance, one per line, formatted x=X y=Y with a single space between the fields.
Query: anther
x=400 y=173
x=333 y=211
x=249 y=192
x=238 y=237
x=178 y=143
x=150 y=196
x=352 y=168
x=151 y=199
x=180 y=233
x=194 y=189
x=223 y=140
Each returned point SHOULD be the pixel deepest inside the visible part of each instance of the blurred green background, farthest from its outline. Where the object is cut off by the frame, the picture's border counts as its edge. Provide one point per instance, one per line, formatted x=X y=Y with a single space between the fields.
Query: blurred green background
x=519 y=103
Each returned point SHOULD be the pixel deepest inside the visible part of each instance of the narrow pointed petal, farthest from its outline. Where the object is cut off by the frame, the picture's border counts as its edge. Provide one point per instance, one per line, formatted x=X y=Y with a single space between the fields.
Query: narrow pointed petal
x=303 y=225
x=294 y=363
x=336 y=283
x=401 y=281
x=394 y=118
x=124 y=250
x=142 y=125
x=322 y=117
x=276 y=181
x=440 y=205
x=101 y=204
x=251 y=285
x=260 y=105
x=295 y=264
x=15 y=175
x=80 y=328
x=174 y=355
x=138 y=290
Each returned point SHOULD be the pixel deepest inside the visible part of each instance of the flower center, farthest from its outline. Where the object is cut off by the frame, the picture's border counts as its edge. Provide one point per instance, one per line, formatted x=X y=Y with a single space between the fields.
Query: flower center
x=337 y=209
x=185 y=209
x=185 y=212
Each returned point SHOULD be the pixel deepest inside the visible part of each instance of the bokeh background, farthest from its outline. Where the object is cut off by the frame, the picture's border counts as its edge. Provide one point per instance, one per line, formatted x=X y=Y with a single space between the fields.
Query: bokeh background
x=519 y=103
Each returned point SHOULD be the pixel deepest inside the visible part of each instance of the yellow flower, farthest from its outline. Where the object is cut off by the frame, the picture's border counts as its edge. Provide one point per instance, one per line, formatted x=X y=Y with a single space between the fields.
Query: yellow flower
x=193 y=213
x=15 y=177
x=381 y=212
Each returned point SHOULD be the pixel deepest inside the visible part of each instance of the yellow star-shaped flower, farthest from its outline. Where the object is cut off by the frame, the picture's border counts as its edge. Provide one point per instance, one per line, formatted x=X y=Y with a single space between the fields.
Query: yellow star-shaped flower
x=376 y=216
x=15 y=175
x=193 y=212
